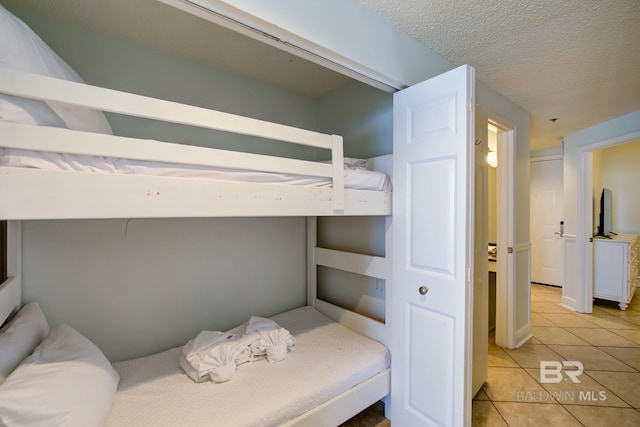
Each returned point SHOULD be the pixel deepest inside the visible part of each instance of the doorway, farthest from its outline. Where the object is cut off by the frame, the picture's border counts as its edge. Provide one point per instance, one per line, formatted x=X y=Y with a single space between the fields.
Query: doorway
x=584 y=230
x=547 y=220
x=505 y=292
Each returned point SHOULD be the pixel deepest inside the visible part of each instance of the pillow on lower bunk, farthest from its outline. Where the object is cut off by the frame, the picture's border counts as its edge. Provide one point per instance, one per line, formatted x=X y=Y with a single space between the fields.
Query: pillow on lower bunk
x=67 y=381
x=20 y=336
x=22 y=49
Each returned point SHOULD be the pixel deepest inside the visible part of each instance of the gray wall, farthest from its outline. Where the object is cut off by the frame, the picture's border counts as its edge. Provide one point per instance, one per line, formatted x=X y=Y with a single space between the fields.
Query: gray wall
x=139 y=286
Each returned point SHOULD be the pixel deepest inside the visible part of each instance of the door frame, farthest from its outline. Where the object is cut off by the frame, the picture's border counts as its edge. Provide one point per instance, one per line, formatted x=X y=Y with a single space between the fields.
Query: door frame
x=505 y=329
x=584 y=228
x=546 y=159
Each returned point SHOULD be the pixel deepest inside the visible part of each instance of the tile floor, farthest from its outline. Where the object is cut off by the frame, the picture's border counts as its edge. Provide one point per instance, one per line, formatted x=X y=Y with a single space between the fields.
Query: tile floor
x=606 y=342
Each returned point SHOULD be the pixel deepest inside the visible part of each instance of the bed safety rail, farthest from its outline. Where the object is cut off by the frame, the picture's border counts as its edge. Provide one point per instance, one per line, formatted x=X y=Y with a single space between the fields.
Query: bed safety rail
x=22 y=84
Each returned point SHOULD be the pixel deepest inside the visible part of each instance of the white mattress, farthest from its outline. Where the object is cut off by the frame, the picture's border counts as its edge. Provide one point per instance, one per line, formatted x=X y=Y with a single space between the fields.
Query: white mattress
x=355 y=178
x=327 y=360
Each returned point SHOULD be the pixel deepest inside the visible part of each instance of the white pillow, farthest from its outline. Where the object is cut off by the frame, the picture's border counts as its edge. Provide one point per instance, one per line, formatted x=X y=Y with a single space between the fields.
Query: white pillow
x=20 y=336
x=22 y=49
x=67 y=381
x=28 y=111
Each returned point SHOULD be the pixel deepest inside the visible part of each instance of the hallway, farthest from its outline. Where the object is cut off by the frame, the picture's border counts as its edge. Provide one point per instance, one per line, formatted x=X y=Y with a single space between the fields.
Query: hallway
x=606 y=342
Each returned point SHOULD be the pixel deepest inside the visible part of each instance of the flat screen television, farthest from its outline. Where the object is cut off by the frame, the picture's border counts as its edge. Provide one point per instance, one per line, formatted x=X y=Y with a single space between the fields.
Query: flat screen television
x=604 y=228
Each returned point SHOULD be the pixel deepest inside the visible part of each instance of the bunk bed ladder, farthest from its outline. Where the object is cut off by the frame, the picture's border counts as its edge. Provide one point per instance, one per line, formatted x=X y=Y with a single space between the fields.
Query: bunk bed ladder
x=367 y=265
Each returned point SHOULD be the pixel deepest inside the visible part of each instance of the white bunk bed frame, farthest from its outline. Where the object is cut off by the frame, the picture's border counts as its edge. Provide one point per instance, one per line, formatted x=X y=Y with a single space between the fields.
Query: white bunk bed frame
x=44 y=194
x=335 y=410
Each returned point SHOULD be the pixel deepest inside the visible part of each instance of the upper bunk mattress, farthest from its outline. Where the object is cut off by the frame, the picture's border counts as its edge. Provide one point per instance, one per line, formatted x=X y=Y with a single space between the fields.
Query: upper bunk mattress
x=327 y=359
x=356 y=178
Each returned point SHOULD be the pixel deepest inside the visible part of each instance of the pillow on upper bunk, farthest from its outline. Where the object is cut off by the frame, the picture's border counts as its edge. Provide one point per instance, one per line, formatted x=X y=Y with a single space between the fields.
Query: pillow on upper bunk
x=22 y=49
x=20 y=336
x=67 y=381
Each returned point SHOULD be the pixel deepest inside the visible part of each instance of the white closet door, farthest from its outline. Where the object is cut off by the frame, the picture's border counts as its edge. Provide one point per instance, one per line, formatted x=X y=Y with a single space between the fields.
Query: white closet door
x=433 y=251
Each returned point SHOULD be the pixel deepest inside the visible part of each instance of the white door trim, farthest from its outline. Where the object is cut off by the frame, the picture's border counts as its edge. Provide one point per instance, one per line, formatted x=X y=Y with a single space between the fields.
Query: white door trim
x=506 y=334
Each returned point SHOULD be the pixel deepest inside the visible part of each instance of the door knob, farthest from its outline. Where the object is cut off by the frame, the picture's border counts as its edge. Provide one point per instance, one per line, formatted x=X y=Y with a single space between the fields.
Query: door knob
x=423 y=290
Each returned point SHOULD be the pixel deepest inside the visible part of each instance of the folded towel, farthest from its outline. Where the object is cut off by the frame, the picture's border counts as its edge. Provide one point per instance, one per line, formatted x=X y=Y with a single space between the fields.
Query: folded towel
x=219 y=363
x=197 y=348
x=274 y=344
x=257 y=324
x=190 y=370
x=216 y=355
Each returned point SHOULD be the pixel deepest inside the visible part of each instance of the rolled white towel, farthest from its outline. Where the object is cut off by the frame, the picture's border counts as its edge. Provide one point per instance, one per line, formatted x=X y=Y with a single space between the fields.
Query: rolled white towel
x=190 y=371
x=220 y=362
x=275 y=344
x=195 y=350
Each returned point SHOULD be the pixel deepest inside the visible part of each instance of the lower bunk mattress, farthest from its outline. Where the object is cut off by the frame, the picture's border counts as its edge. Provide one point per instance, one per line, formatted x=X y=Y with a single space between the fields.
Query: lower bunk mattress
x=327 y=360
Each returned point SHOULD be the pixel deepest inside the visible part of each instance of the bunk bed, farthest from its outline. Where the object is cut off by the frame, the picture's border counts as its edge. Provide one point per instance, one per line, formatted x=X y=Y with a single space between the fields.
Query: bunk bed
x=50 y=172
x=166 y=191
x=339 y=366
x=54 y=134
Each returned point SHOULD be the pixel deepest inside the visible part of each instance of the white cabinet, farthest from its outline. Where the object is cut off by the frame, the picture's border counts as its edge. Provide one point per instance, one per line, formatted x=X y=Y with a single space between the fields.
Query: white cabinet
x=616 y=274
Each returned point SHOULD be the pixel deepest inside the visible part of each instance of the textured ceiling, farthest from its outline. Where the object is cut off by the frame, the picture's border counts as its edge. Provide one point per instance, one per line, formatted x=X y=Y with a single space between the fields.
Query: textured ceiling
x=574 y=60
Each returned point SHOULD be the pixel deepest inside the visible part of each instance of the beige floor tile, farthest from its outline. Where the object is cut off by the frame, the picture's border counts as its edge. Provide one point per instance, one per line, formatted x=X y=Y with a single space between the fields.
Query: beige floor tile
x=635 y=319
x=556 y=335
x=510 y=384
x=548 y=307
x=530 y=355
x=624 y=384
x=370 y=417
x=481 y=395
x=628 y=355
x=498 y=357
x=601 y=337
x=535 y=415
x=567 y=320
x=538 y=319
x=587 y=392
x=630 y=334
x=608 y=321
x=484 y=414
x=598 y=417
x=612 y=307
x=611 y=368
x=592 y=358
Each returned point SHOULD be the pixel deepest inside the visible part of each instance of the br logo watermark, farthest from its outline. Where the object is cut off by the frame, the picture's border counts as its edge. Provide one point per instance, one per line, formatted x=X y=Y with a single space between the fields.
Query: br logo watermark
x=554 y=372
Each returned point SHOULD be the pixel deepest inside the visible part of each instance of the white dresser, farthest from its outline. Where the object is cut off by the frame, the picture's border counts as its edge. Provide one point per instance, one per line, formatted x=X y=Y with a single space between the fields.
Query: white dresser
x=616 y=273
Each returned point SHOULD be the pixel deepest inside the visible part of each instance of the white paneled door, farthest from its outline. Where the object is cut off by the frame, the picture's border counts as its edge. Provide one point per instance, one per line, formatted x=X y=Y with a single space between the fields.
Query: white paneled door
x=547 y=206
x=433 y=251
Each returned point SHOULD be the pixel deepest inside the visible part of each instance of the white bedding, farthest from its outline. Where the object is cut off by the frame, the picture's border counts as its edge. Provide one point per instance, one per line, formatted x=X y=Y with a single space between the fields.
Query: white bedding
x=355 y=178
x=327 y=360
